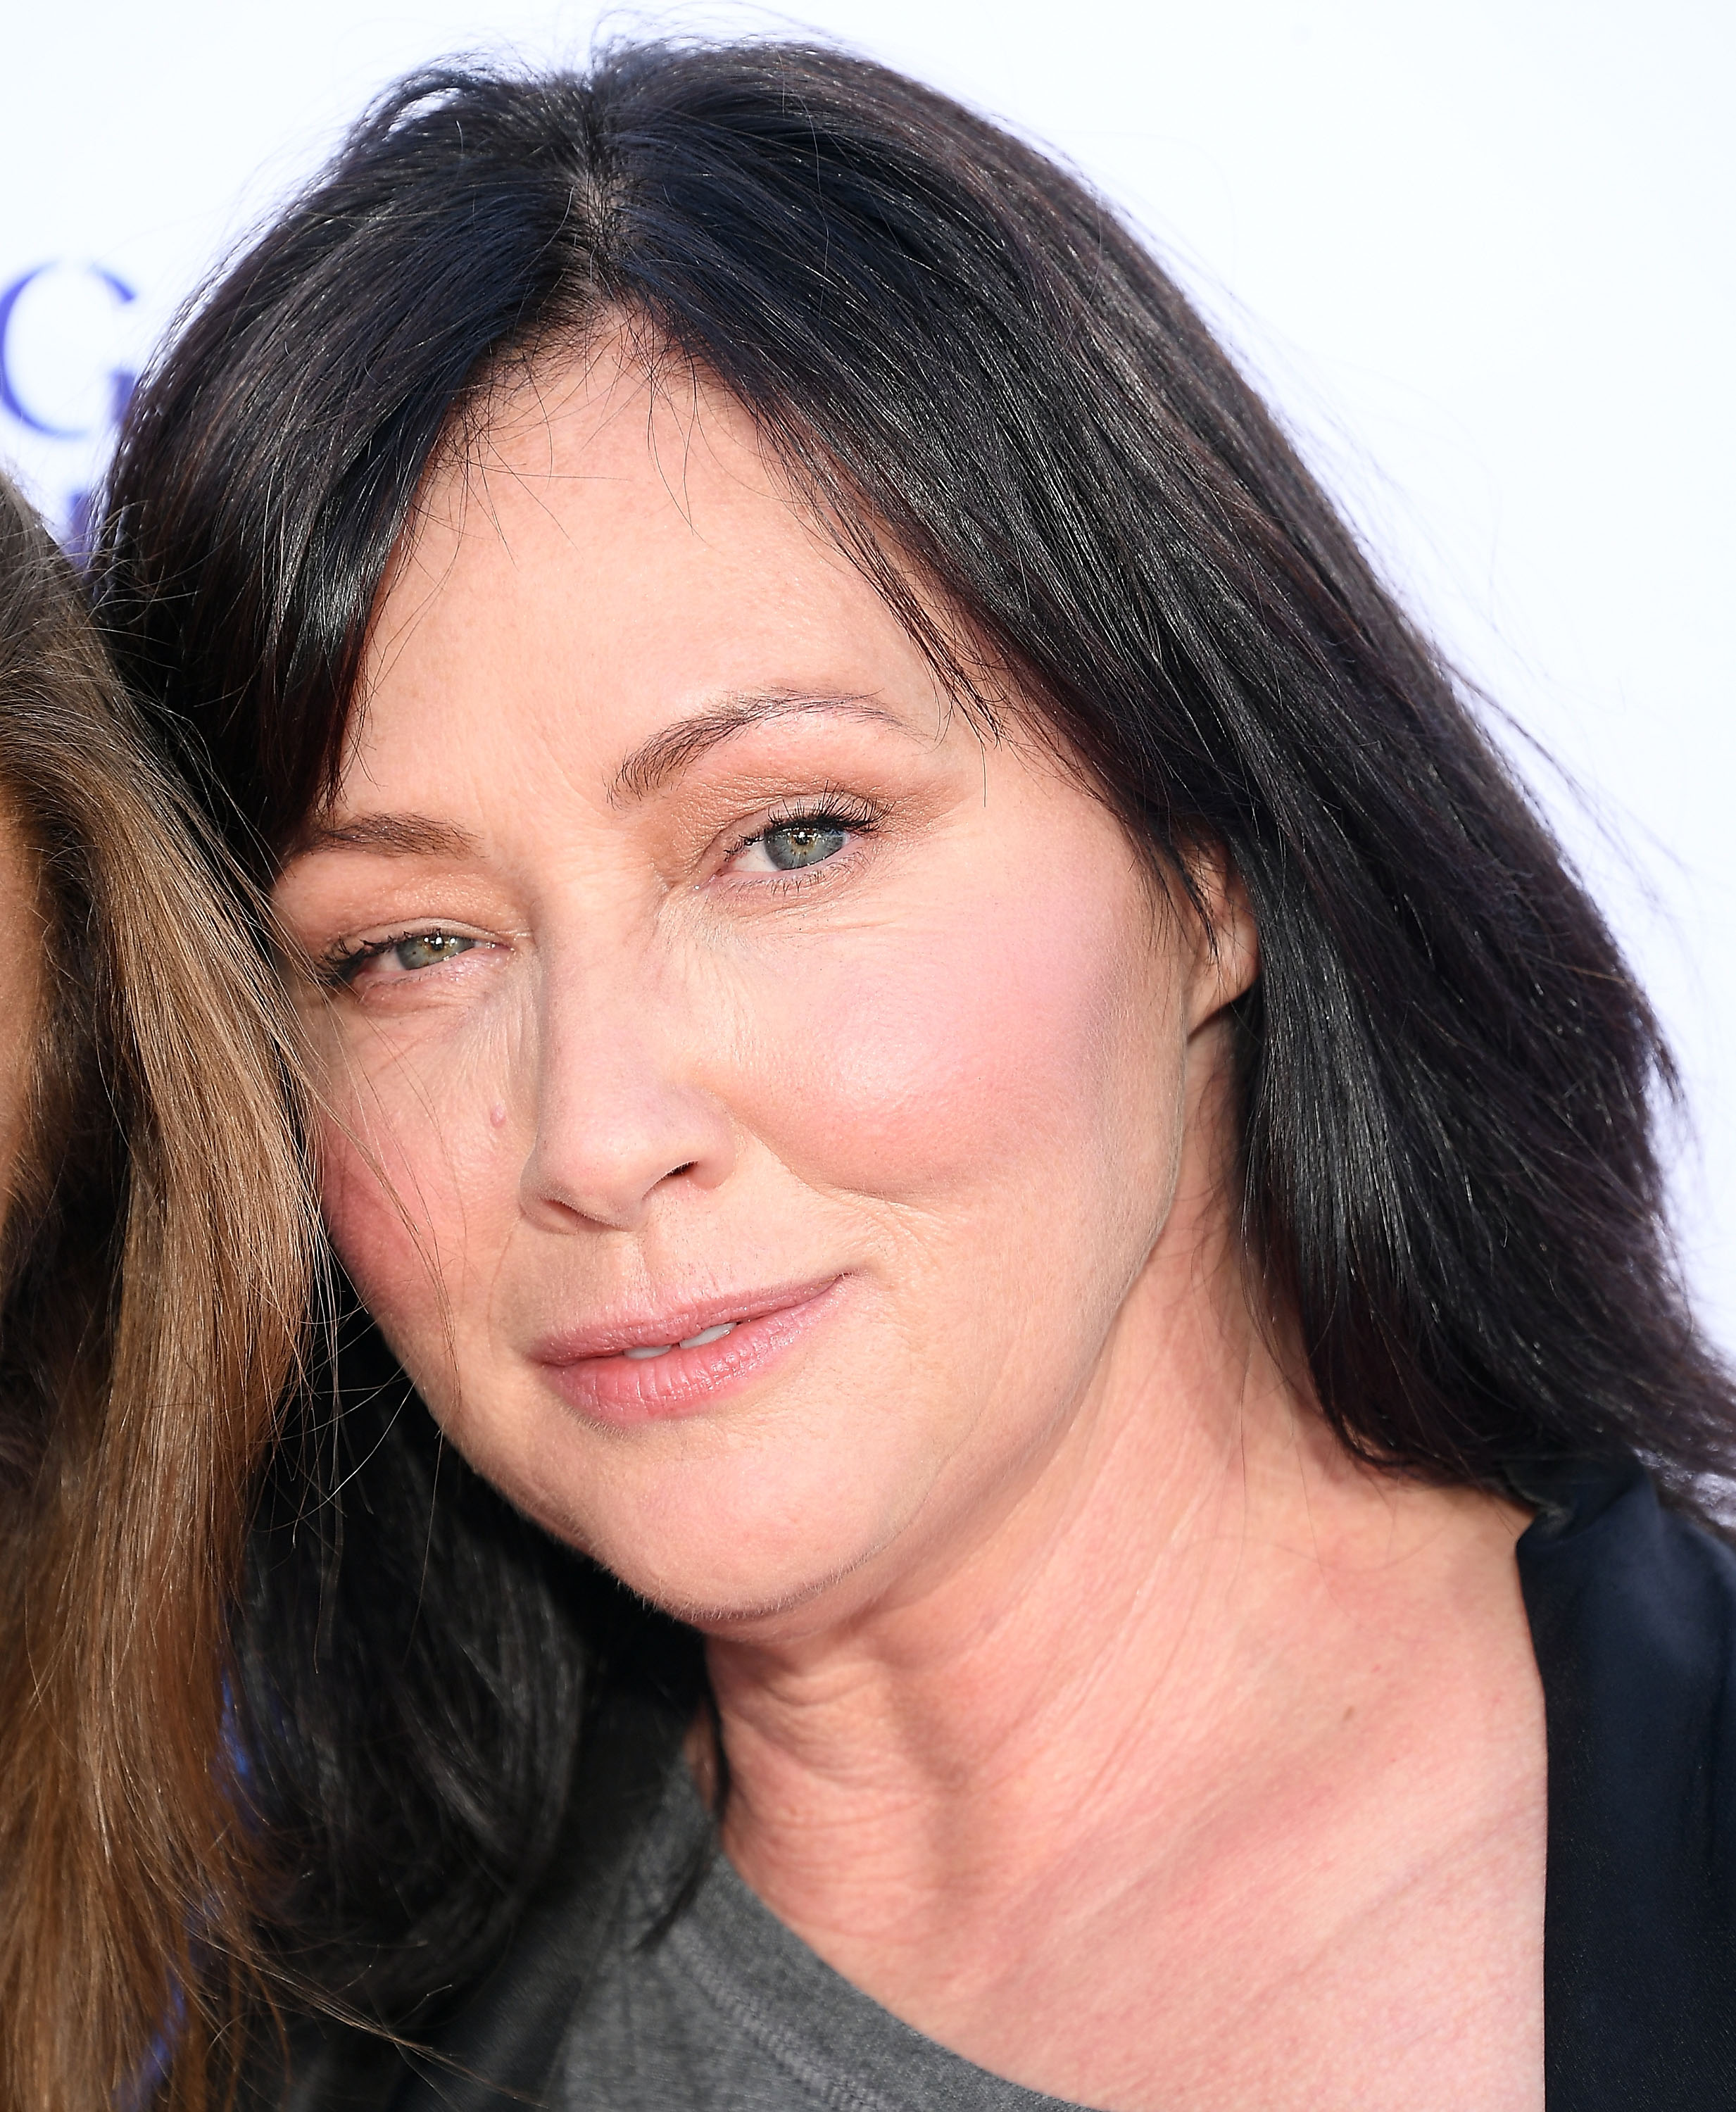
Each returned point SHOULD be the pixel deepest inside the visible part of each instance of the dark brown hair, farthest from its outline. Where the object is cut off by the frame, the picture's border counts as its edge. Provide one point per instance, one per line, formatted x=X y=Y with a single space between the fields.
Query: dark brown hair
x=159 y=1248
x=967 y=365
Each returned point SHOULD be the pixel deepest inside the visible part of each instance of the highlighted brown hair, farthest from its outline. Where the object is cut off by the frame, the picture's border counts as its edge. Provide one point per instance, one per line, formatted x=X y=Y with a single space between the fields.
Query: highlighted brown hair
x=158 y=1254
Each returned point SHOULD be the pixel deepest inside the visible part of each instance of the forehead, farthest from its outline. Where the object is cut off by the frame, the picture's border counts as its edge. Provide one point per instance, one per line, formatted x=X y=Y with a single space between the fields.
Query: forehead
x=611 y=551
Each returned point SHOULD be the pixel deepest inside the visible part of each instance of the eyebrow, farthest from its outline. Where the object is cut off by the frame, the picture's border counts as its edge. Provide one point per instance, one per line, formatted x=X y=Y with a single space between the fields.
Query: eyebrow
x=398 y=836
x=650 y=765
x=678 y=746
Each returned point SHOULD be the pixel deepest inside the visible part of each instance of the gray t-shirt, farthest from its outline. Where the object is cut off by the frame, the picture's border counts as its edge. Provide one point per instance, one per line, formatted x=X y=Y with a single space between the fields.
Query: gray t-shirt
x=730 y=2011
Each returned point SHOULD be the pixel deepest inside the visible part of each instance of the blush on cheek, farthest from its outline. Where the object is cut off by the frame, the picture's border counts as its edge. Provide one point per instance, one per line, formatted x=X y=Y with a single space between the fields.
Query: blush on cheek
x=944 y=1052
x=389 y=1251
x=404 y=1224
x=415 y=1173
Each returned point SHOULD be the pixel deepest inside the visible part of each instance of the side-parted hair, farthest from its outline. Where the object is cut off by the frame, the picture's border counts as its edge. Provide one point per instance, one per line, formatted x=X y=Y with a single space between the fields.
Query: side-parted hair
x=157 y=1246
x=1015 y=425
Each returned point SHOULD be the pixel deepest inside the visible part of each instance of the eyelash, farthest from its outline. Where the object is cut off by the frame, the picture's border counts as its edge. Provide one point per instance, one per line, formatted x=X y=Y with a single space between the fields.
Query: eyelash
x=843 y=810
x=339 y=967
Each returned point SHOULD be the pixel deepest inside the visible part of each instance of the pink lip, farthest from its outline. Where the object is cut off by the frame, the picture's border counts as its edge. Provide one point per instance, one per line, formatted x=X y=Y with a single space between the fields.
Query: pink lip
x=591 y=1370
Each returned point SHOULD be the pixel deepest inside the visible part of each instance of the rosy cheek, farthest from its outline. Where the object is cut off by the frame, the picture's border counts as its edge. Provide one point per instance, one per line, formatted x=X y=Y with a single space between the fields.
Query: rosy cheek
x=387 y=1258
x=411 y=1190
x=941 y=1053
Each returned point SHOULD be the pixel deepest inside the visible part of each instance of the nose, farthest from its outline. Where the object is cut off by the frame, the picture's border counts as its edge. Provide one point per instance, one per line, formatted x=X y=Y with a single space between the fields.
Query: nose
x=620 y=1115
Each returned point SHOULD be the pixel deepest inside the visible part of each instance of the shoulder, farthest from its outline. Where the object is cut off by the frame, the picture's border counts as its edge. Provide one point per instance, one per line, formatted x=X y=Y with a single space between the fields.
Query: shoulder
x=1633 y=1613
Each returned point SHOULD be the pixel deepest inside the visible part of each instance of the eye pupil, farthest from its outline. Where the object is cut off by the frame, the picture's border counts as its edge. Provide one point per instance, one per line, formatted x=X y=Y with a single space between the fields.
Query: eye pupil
x=794 y=844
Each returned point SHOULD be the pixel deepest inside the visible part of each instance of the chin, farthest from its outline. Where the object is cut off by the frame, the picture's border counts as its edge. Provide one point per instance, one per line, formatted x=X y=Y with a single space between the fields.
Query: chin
x=716 y=1605
x=720 y=1579
x=719 y=1524
x=721 y=1558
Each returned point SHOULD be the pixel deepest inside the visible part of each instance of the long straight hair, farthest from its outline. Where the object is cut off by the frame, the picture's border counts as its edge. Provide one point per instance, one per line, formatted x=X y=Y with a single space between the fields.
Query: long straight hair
x=158 y=1245
x=1006 y=412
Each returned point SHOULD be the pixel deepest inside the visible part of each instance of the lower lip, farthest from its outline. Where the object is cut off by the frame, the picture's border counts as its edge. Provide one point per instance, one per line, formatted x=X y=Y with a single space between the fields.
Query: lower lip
x=624 y=1390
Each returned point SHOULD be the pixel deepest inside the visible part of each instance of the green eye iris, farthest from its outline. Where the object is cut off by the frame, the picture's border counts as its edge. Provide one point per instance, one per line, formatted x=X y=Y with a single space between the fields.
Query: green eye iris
x=794 y=844
x=415 y=950
x=425 y=949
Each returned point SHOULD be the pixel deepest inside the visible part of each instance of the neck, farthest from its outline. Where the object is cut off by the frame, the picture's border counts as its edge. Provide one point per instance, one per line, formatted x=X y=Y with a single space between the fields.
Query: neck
x=1170 y=1622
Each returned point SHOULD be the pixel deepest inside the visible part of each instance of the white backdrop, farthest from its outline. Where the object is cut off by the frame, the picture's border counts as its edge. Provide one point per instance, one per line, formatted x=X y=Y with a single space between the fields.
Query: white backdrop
x=1480 y=255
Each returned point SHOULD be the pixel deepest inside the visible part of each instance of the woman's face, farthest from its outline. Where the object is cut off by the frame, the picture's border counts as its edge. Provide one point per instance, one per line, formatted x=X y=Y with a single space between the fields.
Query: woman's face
x=694 y=976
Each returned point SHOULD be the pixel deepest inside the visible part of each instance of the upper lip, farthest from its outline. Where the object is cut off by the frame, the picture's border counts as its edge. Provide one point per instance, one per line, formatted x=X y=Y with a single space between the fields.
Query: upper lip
x=671 y=1323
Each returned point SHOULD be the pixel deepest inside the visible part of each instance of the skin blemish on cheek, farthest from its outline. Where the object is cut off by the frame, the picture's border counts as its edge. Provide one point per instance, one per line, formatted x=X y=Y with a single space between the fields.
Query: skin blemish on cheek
x=497 y=1114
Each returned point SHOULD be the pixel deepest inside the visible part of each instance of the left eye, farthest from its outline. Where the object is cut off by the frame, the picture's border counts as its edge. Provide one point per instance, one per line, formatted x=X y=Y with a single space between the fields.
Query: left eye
x=804 y=839
x=795 y=844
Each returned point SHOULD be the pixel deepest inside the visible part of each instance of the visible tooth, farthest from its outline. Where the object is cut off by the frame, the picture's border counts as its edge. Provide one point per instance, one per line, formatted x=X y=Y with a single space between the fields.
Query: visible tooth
x=661 y=1349
x=709 y=1334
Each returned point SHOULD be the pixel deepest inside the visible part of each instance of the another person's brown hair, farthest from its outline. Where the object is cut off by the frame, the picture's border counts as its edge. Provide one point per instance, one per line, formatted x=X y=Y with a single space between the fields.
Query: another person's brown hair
x=156 y=1254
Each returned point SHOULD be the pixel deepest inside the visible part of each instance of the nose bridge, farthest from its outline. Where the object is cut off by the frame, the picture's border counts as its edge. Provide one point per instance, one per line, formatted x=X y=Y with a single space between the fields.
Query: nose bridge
x=619 y=1109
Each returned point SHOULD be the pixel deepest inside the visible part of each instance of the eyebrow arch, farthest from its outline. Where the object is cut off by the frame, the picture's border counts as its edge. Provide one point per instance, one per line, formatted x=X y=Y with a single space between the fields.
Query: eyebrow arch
x=398 y=836
x=668 y=753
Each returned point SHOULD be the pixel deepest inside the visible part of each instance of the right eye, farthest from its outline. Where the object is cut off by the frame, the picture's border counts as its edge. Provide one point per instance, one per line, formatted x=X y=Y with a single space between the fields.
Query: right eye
x=392 y=959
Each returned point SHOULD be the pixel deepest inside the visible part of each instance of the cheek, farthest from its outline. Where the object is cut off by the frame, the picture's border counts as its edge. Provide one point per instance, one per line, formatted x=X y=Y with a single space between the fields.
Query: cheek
x=381 y=1244
x=416 y=1178
x=1011 y=1039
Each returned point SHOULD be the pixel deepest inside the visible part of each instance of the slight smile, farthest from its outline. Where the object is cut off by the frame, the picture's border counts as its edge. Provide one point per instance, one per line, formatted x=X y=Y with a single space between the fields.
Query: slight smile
x=680 y=1361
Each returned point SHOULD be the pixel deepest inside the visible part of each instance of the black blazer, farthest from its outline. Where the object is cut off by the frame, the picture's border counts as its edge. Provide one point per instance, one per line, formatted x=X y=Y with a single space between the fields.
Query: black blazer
x=1633 y=1613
